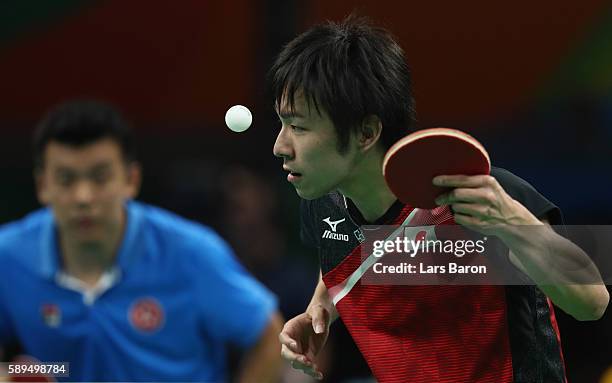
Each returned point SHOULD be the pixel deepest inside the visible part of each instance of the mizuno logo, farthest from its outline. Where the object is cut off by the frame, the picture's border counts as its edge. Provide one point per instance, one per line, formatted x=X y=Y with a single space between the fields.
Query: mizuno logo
x=337 y=236
x=333 y=224
x=332 y=234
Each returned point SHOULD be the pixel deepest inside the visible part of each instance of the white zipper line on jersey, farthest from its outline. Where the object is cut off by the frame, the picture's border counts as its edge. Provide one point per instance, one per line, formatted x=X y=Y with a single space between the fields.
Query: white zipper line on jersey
x=342 y=289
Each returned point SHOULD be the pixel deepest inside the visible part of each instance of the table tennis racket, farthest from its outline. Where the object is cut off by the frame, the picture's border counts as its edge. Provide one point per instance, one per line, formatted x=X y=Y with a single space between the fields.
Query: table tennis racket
x=411 y=163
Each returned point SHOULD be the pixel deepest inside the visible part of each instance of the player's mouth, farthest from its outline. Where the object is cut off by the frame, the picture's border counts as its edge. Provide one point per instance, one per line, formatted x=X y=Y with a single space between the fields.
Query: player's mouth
x=294 y=177
x=85 y=223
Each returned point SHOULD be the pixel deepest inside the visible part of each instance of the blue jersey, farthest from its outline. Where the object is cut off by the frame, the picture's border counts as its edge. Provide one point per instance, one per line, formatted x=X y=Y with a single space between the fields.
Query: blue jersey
x=165 y=312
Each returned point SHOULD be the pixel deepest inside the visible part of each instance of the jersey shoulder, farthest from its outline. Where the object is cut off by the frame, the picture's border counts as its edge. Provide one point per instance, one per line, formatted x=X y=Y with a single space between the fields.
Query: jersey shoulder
x=20 y=238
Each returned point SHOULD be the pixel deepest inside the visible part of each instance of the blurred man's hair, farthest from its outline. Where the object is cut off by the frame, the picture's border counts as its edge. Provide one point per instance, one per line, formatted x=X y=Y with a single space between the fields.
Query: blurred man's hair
x=79 y=123
x=350 y=69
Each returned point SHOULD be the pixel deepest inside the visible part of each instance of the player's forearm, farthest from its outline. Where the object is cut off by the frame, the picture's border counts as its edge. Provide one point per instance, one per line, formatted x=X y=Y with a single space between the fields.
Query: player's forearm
x=263 y=362
x=560 y=269
x=321 y=297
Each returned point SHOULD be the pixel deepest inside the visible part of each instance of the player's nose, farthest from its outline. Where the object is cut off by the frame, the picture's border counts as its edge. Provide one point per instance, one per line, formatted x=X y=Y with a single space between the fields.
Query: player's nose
x=83 y=193
x=283 y=147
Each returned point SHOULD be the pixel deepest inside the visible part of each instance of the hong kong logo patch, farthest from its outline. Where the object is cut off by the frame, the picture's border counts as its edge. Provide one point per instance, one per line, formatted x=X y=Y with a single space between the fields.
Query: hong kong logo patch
x=146 y=314
x=51 y=314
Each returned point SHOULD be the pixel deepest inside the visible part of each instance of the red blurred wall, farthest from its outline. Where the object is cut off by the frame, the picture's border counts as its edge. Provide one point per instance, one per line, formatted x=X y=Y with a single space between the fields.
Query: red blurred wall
x=475 y=60
x=186 y=62
x=160 y=61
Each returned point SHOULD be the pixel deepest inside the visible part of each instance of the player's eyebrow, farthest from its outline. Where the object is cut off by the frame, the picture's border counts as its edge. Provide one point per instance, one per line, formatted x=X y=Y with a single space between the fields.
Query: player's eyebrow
x=102 y=166
x=286 y=115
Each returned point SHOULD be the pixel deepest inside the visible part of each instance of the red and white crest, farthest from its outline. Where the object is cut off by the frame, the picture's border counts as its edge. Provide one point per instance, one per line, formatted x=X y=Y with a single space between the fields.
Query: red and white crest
x=146 y=314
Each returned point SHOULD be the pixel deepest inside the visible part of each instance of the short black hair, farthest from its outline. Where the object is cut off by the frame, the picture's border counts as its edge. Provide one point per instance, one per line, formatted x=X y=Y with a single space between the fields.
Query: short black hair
x=351 y=69
x=79 y=123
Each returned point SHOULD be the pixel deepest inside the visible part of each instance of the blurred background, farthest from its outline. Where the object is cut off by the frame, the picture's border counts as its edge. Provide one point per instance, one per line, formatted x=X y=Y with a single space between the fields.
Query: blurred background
x=531 y=79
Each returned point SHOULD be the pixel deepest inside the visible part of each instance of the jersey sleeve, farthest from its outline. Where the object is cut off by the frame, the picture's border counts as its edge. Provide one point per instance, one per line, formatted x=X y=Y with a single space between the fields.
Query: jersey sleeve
x=307 y=229
x=528 y=196
x=235 y=307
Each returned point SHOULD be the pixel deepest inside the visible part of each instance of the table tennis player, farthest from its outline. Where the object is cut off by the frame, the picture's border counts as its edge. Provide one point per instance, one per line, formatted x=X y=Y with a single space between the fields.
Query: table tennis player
x=122 y=290
x=343 y=94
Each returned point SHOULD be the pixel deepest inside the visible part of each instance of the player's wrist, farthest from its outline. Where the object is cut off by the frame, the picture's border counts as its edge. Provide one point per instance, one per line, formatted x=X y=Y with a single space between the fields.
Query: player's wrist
x=328 y=307
x=315 y=306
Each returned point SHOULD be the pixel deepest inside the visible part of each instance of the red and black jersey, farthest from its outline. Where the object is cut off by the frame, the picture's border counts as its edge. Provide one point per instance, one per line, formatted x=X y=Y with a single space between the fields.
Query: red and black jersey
x=446 y=334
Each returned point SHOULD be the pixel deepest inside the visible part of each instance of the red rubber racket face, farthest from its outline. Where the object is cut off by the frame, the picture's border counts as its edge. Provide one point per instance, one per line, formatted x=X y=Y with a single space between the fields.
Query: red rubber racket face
x=411 y=163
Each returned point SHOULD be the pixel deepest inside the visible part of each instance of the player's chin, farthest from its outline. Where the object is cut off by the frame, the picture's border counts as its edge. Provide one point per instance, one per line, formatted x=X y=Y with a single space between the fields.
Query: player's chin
x=309 y=193
x=88 y=235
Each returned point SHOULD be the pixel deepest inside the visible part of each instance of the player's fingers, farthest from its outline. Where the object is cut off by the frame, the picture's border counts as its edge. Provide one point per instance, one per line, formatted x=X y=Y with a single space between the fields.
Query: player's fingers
x=480 y=195
x=320 y=319
x=287 y=340
x=305 y=365
x=462 y=181
x=474 y=210
x=311 y=370
x=292 y=356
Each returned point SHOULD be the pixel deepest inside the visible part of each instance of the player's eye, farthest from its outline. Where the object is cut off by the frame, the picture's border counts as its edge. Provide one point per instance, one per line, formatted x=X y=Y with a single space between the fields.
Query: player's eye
x=297 y=128
x=100 y=177
x=65 y=179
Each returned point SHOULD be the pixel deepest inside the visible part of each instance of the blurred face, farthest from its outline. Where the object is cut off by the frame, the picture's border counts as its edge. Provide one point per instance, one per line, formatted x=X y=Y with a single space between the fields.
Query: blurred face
x=86 y=188
x=307 y=143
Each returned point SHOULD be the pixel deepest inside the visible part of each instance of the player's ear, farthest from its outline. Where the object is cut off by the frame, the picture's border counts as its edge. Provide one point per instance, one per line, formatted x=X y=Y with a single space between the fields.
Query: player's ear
x=369 y=134
x=134 y=178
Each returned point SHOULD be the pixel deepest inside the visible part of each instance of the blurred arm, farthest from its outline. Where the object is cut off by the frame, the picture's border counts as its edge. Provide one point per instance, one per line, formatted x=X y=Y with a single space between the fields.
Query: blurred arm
x=263 y=362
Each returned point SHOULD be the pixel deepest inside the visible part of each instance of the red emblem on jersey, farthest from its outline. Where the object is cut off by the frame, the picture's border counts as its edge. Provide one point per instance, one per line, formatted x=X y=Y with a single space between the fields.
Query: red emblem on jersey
x=421 y=236
x=51 y=314
x=146 y=314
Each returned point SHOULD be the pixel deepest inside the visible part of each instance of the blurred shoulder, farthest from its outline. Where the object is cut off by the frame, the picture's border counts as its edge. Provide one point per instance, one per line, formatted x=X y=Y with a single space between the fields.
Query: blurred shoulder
x=23 y=234
x=180 y=235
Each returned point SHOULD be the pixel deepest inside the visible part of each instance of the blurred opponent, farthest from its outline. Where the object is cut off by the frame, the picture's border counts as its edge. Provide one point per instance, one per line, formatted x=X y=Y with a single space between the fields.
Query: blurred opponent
x=122 y=290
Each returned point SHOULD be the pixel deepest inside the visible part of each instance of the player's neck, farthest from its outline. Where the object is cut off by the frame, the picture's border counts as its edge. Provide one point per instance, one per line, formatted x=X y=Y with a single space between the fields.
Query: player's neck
x=89 y=261
x=367 y=188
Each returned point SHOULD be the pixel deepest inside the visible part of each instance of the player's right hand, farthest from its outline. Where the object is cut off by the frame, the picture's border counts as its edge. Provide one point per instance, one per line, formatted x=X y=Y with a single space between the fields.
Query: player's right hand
x=303 y=337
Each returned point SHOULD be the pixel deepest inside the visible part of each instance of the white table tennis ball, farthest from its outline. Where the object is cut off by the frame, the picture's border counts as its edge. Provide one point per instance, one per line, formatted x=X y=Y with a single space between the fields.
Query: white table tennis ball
x=238 y=118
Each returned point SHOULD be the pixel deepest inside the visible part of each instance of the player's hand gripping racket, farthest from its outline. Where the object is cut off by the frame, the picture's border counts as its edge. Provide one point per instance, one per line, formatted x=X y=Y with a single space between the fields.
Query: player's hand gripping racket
x=411 y=163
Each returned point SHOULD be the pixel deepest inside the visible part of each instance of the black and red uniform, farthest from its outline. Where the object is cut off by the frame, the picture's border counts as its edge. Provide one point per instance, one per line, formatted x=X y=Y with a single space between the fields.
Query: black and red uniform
x=446 y=334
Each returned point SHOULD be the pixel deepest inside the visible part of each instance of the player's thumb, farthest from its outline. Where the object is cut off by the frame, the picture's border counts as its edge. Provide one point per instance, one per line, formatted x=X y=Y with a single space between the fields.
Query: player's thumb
x=320 y=319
